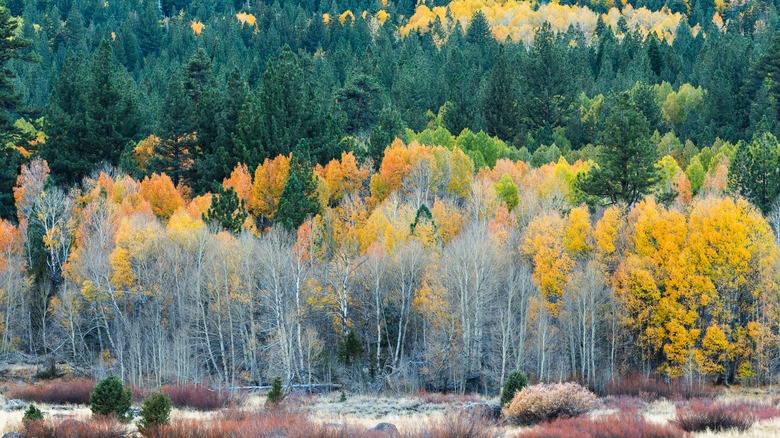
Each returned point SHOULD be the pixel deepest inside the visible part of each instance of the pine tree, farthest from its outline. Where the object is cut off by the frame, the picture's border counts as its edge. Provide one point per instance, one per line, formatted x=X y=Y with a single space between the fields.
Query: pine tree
x=110 y=398
x=276 y=394
x=626 y=164
x=226 y=209
x=769 y=68
x=174 y=153
x=755 y=171
x=299 y=197
x=155 y=411
x=549 y=86
x=12 y=47
x=500 y=108
x=92 y=115
x=515 y=382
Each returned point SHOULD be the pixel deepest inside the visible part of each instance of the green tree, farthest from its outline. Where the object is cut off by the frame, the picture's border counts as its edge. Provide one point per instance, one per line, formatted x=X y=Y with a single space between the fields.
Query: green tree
x=175 y=152
x=359 y=100
x=695 y=173
x=755 y=170
x=549 y=89
x=110 y=398
x=516 y=381
x=626 y=164
x=299 y=197
x=276 y=394
x=155 y=411
x=92 y=115
x=12 y=48
x=290 y=112
x=500 y=107
x=226 y=209
x=507 y=191
x=769 y=68
x=32 y=414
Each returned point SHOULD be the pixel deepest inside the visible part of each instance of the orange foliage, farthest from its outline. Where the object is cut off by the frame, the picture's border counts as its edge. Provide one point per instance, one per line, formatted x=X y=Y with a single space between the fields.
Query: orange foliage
x=270 y=179
x=240 y=180
x=162 y=195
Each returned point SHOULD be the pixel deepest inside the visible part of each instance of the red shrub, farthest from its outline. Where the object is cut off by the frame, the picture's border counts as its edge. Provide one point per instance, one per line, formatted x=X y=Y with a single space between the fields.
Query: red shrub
x=240 y=424
x=199 y=397
x=765 y=412
x=54 y=392
x=94 y=428
x=703 y=414
x=656 y=387
x=625 y=403
x=612 y=426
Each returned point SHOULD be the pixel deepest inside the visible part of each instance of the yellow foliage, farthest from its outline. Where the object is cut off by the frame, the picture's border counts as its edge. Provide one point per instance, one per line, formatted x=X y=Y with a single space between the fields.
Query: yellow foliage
x=346 y=15
x=518 y=19
x=245 y=18
x=382 y=16
x=197 y=27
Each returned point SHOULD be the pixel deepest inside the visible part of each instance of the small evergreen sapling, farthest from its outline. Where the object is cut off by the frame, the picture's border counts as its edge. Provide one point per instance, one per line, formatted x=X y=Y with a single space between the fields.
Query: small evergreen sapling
x=32 y=414
x=514 y=383
x=110 y=398
x=155 y=411
x=276 y=394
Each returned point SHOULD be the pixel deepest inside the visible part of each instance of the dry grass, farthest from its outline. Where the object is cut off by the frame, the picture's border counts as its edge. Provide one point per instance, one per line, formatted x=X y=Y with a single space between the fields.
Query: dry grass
x=103 y=427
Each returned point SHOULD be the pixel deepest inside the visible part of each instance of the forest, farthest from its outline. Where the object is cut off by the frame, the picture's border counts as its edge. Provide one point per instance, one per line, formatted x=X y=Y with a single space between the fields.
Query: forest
x=391 y=194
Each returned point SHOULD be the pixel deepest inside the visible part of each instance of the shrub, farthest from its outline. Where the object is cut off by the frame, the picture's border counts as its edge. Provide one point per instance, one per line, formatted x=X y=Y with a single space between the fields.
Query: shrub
x=543 y=402
x=57 y=392
x=651 y=388
x=110 y=398
x=155 y=411
x=625 y=403
x=276 y=395
x=105 y=427
x=32 y=414
x=276 y=422
x=704 y=414
x=612 y=426
x=464 y=423
x=198 y=397
x=515 y=382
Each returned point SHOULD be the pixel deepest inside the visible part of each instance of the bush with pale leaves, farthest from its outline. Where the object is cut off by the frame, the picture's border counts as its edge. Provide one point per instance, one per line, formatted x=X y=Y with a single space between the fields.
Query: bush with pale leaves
x=545 y=401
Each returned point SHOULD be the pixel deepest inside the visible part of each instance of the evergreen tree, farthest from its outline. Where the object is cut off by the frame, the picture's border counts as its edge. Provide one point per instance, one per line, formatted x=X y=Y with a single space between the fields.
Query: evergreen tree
x=626 y=165
x=174 y=153
x=110 y=398
x=515 y=382
x=299 y=197
x=276 y=394
x=769 y=67
x=549 y=89
x=155 y=411
x=500 y=109
x=12 y=47
x=755 y=171
x=92 y=116
x=359 y=100
x=226 y=209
